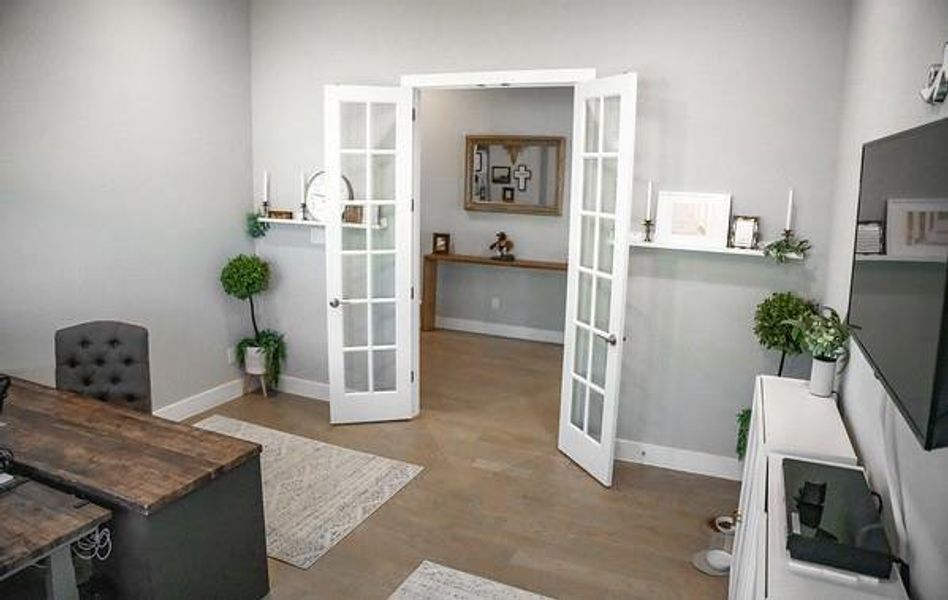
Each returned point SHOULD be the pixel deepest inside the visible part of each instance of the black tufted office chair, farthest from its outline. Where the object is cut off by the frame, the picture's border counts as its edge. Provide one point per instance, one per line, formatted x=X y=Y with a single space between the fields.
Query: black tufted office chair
x=107 y=360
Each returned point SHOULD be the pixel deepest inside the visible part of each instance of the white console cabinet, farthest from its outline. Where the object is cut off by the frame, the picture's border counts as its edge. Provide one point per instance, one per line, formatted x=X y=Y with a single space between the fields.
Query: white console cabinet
x=788 y=421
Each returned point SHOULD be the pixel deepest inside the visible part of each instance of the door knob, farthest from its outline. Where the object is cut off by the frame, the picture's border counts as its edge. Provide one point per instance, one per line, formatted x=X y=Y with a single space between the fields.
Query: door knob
x=610 y=339
x=334 y=303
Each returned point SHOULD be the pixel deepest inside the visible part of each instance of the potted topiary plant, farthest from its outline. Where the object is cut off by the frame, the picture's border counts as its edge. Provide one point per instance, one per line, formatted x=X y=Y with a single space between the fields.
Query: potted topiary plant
x=773 y=323
x=263 y=354
x=825 y=336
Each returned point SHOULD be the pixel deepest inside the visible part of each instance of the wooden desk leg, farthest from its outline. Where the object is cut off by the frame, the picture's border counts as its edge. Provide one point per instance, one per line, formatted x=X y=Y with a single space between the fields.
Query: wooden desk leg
x=429 y=297
x=61 y=575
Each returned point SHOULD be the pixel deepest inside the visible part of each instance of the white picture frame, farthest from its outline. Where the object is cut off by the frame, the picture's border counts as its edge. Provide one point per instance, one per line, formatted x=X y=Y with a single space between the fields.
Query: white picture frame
x=917 y=227
x=693 y=219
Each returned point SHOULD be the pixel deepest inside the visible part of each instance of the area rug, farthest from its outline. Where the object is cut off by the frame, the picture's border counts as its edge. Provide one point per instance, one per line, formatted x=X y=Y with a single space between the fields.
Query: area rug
x=314 y=493
x=431 y=581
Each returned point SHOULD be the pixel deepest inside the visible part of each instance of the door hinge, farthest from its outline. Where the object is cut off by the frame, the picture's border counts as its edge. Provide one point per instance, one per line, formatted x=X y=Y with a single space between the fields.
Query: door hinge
x=412 y=292
x=414 y=114
x=413 y=376
x=413 y=204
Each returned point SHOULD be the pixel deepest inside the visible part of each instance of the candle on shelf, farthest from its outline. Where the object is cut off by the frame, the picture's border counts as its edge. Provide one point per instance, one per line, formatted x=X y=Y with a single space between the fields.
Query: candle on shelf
x=266 y=187
x=789 y=210
x=648 y=204
x=303 y=187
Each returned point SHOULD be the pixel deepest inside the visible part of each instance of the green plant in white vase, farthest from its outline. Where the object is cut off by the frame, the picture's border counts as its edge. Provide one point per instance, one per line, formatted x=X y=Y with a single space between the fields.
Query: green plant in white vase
x=825 y=336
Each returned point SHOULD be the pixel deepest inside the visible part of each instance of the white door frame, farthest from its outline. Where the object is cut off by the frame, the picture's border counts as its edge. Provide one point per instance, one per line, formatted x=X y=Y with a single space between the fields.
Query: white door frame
x=472 y=80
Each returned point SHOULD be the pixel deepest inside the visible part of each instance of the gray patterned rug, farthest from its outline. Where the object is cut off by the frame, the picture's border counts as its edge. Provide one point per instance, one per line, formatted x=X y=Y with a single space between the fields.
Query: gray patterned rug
x=314 y=493
x=431 y=581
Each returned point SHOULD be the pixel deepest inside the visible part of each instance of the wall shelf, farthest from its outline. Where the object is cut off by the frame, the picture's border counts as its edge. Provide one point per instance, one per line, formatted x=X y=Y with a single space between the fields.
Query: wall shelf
x=890 y=258
x=731 y=251
x=298 y=222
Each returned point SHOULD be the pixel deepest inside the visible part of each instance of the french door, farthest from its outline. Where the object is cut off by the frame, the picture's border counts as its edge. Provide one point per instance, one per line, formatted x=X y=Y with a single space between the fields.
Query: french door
x=600 y=208
x=368 y=150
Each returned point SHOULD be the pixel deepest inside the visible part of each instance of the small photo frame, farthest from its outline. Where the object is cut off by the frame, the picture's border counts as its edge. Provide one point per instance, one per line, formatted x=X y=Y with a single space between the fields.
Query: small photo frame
x=500 y=175
x=441 y=243
x=508 y=194
x=745 y=232
x=917 y=228
x=281 y=214
x=693 y=220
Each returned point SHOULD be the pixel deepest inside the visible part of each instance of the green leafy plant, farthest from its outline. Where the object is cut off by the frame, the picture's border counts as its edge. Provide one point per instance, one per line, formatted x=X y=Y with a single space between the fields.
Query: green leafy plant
x=822 y=333
x=243 y=277
x=743 y=429
x=773 y=323
x=274 y=351
x=255 y=227
x=787 y=247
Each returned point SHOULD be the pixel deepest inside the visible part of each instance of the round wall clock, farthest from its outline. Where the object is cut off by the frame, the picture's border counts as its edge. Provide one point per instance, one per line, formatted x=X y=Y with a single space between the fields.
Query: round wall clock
x=317 y=195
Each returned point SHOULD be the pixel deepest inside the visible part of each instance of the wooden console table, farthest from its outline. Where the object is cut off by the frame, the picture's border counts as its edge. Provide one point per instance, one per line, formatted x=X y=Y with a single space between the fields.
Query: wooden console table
x=429 y=299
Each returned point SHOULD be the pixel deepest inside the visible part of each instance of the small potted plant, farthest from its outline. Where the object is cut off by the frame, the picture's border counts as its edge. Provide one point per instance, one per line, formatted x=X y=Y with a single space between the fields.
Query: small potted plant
x=773 y=323
x=263 y=354
x=825 y=336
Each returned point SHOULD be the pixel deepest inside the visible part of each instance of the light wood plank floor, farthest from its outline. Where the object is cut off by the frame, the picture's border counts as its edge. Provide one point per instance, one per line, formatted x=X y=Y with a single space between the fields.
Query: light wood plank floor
x=496 y=498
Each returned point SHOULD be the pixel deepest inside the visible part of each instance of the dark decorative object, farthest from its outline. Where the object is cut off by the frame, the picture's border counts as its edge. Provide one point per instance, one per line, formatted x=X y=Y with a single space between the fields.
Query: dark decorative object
x=745 y=232
x=773 y=323
x=508 y=194
x=502 y=245
x=255 y=227
x=441 y=243
x=649 y=226
x=787 y=247
x=500 y=174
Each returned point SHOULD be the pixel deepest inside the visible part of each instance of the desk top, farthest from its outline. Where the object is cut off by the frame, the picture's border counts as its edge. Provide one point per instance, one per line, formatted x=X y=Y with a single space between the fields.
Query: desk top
x=543 y=265
x=35 y=520
x=112 y=455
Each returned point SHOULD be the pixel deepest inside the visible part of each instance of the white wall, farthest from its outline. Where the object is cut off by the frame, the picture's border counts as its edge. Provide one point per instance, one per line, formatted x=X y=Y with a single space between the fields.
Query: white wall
x=533 y=299
x=124 y=176
x=734 y=96
x=891 y=46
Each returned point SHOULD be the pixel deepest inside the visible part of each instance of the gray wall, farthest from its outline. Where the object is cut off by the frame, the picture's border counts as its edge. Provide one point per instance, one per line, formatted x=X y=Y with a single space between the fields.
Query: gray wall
x=534 y=299
x=124 y=176
x=891 y=46
x=734 y=96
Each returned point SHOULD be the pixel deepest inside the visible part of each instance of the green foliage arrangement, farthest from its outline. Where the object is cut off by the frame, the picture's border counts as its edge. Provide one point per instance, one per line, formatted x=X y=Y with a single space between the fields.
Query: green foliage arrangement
x=274 y=351
x=743 y=429
x=255 y=227
x=243 y=277
x=822 y=333
x=786 y=247
x=773 y=323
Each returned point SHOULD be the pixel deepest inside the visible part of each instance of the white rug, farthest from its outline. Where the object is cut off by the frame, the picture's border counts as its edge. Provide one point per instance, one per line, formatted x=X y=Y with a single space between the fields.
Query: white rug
x=431 y=581
x=314 y=493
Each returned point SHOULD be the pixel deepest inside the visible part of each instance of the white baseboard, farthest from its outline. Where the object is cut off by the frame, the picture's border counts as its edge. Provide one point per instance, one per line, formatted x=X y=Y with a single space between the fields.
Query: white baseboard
x=206 y=400
x=304 y=387
x=679 y=459
x=549 y=336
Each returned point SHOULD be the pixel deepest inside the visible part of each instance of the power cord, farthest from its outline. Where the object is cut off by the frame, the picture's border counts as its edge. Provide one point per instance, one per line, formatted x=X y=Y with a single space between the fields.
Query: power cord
x=96 y=544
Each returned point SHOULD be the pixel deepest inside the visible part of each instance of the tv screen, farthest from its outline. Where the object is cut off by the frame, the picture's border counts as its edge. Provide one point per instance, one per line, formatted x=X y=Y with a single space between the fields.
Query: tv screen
x=897 y=298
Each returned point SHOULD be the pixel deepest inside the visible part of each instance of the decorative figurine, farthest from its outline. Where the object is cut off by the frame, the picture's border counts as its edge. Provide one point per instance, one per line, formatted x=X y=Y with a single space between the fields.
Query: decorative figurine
x=502 y=245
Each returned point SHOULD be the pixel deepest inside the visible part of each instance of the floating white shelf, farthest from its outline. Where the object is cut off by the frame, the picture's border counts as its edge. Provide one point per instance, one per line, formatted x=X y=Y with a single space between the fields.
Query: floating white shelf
x=888 y=258
x=732 y=251
x=299 y=222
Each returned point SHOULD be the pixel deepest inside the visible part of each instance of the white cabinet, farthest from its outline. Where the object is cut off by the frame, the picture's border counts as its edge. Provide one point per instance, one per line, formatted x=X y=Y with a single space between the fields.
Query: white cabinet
x=786 y=421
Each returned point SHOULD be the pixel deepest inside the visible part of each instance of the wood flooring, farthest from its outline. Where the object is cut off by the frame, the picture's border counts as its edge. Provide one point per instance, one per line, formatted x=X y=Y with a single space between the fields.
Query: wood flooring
x=496 y=498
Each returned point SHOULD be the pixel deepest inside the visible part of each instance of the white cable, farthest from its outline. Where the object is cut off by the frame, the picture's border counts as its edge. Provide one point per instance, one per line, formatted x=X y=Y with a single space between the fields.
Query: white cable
x=96 y=544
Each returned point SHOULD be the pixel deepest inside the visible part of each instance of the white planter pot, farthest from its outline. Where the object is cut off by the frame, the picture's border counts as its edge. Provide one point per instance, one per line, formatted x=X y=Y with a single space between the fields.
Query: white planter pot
x=822 y=376
x=254 y=361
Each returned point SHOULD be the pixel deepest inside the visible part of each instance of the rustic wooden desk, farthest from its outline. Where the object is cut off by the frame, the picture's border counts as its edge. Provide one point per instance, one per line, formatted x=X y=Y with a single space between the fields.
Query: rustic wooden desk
x=187 y=503
x=39 y=523
x=429 y=299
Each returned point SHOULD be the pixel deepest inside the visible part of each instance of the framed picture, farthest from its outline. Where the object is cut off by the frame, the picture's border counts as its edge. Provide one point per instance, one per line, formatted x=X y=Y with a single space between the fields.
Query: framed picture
x=916 y=227
x=745 y=232
x=500 y=174
x=508 y=194
x=352 y=215
x=441 y=243
x=693 y=220
x=281 y=214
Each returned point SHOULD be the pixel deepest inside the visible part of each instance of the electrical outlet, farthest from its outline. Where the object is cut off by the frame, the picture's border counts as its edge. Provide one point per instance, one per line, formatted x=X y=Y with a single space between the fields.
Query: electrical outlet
x=232 y=356
x=495 y=303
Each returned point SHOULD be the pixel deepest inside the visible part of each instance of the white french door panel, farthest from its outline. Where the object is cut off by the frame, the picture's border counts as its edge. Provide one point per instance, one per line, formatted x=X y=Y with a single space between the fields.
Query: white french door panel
x=600 y=213
x=368 y=154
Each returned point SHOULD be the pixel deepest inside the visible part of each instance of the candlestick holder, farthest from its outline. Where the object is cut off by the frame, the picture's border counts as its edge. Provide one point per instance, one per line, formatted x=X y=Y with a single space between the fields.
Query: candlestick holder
x=649 y=226
x=304 y=212
x=265 y=209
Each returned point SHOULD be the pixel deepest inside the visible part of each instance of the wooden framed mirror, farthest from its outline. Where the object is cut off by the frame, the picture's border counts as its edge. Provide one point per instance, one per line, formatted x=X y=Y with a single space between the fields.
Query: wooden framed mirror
x=514 y=173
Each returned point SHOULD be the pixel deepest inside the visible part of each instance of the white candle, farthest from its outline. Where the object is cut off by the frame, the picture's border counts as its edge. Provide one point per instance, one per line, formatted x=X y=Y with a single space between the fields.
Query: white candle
x=789 y=209
x=303 y=187
x=648 y=203
x=266 y=186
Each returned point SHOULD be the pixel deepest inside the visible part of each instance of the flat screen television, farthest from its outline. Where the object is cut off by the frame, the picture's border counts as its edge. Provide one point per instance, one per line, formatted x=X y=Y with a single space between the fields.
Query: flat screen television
x=897 y=302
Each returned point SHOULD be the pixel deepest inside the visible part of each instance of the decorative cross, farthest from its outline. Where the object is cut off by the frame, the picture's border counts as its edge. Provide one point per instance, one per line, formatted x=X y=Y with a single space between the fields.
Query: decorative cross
x=522 y=174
